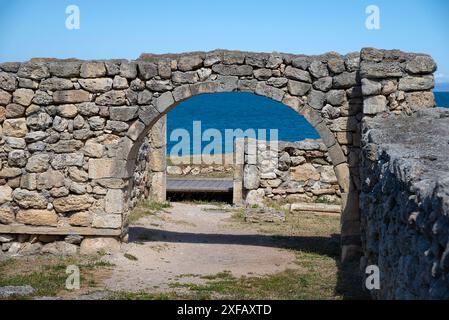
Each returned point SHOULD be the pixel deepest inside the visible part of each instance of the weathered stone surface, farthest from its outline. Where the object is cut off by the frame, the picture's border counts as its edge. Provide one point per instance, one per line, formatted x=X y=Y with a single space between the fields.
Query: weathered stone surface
x=50 y=179
x=33 y=70
x=112 y=221
x=181 y=93
x=375 y=104
x=5 y=97
x=15 y=143
x=185 y=77
x=56 y=84
x=7 y=172
x=262 y=74
x=336 y=65
x=251 y=177
x=273 y=81
x=120 y=83
x=66 y=69
x=72 y=203
x=67 y=111
x=23 y=96
x=336 y=97
x=42 y=98
x=128 y=69
x=416 y=83
x=270 y=92
x=107 y=168
x=396 y=176
x=144 y=97
x=147 y=70
x=345 y=80
x=111 y=98
x=189 y=63
x=91 y=246
x=15 y=127
x=135 y=130
x=123 y=113
x=28 y=181
x=14 y=110
x=421 y=65
x=61 y=161
x=88 y=109
x=233 y=70
x=38 y=163
x=301 y=63
x=96 y=85
x=37 y=217
x=323 y=84
x=380 y=70
x=297 y=88
x=17 y=158
x=93 y=69
x=297 y=74
x=70 y=96
x=117 y=126
x=60 y=248
x=5 y=194
x=318 y=69
x=420 y=100
x=370 y=87
x=6 y=217
x=316 y=99
x=29 y=199
x=93 y=149
x=164 y=101
x=305 y=172
x=8 y=81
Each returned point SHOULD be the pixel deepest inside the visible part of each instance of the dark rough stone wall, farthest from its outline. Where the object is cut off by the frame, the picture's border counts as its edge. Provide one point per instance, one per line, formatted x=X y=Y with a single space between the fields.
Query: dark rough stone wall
x=404 y=203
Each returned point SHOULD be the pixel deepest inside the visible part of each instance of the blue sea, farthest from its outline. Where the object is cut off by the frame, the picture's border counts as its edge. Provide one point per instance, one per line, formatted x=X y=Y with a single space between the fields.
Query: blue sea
x=244 y=111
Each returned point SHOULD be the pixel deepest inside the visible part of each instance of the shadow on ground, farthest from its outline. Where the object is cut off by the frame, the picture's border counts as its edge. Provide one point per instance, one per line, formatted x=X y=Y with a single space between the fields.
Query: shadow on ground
x=349 y=278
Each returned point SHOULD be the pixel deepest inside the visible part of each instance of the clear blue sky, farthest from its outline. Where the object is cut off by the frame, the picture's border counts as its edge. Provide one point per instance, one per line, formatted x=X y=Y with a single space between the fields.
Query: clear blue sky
x=124 y=29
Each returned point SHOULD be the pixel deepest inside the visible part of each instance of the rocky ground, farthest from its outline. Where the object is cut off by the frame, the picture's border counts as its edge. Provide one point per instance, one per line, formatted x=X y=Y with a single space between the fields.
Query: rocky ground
x=204 y=251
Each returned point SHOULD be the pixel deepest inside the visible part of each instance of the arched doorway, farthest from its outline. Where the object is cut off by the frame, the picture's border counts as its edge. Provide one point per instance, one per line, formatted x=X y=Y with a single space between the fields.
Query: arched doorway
x=285 y=81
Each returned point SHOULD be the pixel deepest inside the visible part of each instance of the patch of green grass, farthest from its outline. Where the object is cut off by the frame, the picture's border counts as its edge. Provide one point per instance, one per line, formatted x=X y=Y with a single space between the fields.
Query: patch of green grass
x=315 y=278
x=156 y=206
x=238 y=215
x=123 y=295
x=47 y=275
x=146 y=208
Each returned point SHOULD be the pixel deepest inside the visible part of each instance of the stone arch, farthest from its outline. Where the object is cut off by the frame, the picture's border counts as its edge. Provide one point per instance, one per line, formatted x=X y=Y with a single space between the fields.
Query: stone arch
x=70 y=129
x=168 y=100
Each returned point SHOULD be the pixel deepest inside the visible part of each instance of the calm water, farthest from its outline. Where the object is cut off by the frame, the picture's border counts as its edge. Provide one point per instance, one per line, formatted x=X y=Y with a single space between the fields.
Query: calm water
x=442 y=99
x=245 y=111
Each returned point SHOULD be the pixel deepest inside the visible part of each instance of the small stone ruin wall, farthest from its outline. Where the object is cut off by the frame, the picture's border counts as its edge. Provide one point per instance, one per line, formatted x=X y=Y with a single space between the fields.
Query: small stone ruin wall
x=404 y=203
x=289 y=172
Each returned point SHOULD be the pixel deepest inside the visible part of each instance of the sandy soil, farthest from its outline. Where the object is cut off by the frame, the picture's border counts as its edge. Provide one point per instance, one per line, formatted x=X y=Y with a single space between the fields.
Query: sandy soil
x=187 y=241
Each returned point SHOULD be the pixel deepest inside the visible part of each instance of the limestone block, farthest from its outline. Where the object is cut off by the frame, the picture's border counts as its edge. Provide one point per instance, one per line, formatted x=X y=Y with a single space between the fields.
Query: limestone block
x=73 y=203
x=107 y=168
x=92 y=246
x=115 y=201
x=93 y=69
x=37 y=217
x=102 y=221
x=15 y=127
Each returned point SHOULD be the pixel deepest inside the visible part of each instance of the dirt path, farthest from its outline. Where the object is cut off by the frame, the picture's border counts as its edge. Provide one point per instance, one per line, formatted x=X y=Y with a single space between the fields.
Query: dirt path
x=188 y=241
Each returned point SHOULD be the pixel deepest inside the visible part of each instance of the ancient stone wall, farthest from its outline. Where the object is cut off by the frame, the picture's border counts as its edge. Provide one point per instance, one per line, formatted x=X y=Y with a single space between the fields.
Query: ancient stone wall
x=71 y=130
x=404 y=203
x=289 y=172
